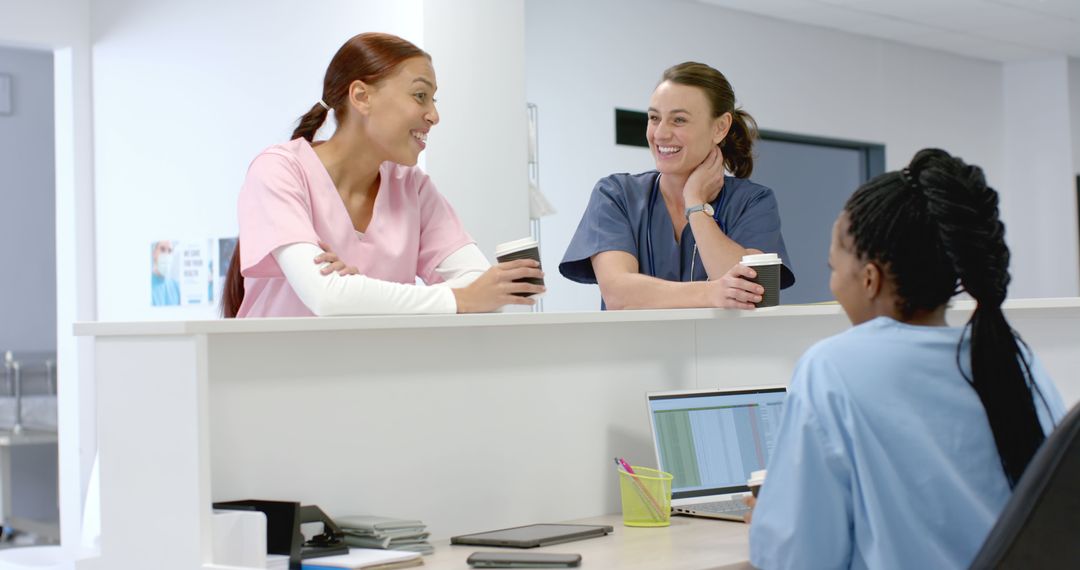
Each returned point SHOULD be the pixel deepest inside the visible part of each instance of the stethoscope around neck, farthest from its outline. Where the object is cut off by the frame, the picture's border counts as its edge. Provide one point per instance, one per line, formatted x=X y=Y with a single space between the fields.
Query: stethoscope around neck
x=648 y=226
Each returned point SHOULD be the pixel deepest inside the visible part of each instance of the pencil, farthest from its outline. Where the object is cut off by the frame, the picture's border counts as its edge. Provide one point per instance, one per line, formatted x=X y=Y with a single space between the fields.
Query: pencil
x=654 y=506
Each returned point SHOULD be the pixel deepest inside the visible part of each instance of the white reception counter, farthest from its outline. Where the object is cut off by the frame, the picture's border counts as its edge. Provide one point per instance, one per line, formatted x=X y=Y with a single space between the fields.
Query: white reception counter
x=467 y=422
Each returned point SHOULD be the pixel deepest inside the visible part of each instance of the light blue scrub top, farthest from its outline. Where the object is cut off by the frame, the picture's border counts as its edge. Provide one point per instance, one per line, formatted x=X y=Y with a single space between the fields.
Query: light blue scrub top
x=617 y=219
x=884 y=456
x=163 y=291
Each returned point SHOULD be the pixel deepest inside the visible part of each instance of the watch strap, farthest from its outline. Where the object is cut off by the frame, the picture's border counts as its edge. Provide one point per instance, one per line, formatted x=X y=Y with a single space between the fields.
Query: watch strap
x=706 y=207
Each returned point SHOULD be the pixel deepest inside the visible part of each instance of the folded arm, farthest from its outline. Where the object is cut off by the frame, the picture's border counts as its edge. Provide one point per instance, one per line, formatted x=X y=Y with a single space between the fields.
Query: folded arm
x=334 y=294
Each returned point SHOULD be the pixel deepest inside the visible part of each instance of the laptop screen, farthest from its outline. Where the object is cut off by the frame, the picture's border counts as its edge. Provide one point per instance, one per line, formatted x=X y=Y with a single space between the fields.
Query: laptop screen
x=712 y=440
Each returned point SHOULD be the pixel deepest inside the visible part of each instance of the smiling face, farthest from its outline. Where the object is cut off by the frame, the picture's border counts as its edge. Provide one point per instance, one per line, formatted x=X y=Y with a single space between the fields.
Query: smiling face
x=400 y=110
x=682 y=130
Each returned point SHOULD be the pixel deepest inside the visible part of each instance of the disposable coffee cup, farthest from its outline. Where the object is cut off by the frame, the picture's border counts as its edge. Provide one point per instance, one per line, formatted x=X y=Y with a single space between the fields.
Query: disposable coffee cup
x=767 y=266
x=755 y=481
x=524 y=248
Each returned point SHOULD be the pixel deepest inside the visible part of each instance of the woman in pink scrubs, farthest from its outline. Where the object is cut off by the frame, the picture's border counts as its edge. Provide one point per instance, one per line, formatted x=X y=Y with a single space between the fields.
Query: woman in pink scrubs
x=345 y=226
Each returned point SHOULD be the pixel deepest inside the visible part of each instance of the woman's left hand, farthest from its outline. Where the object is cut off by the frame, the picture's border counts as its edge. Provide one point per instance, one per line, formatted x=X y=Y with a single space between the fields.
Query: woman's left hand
x=335 y=263
x=706 y=180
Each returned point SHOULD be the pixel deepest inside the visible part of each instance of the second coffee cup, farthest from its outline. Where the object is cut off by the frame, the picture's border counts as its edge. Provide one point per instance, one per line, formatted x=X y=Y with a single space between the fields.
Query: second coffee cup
x=767 y=266
x=524 y=248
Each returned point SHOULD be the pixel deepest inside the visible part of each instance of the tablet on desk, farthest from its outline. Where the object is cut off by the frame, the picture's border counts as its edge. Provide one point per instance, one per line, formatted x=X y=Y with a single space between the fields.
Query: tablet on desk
x=533 y=535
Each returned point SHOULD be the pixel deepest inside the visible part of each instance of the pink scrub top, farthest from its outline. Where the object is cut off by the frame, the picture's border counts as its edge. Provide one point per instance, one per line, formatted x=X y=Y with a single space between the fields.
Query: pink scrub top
x=288 y=197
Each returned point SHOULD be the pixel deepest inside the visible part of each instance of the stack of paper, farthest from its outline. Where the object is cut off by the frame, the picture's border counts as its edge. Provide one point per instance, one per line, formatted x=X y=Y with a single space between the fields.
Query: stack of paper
x=364 y=558
x=366 y=531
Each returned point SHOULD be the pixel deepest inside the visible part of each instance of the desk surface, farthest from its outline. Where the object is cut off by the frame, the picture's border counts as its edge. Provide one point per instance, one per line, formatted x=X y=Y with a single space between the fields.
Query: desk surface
x=1062 y=307
x=688 y=544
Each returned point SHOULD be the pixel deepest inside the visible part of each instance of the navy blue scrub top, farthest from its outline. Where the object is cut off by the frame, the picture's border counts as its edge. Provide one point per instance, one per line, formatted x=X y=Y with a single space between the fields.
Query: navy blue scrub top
x=616 y=219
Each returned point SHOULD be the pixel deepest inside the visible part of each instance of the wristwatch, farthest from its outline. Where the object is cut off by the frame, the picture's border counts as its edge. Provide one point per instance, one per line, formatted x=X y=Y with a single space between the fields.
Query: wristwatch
x=706 y=207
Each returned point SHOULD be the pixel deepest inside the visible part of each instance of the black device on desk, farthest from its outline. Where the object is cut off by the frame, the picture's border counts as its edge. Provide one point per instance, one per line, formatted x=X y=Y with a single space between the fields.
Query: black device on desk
x=523 y=560
x=533 y=535
x=283 y=536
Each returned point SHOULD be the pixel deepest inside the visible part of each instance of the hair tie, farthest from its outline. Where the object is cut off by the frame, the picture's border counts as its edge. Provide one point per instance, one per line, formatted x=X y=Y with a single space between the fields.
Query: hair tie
x=324 y=105
x=905 y=174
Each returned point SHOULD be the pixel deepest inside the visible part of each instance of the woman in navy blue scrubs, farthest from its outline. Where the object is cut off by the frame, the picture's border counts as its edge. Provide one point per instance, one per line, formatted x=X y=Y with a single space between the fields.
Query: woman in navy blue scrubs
x=674 y=236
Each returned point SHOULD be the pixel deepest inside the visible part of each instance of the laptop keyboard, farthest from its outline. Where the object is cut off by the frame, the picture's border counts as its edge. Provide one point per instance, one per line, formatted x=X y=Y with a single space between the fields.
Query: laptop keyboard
x=721 y=507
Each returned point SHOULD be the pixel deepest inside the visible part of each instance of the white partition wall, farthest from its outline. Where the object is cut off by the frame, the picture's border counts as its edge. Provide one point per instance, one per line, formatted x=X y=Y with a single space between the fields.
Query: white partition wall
x=465 y=422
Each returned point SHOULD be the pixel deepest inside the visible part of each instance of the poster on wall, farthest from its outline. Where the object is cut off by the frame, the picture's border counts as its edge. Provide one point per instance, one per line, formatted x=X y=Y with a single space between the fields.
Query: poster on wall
x=164 y=283
x=188 y=273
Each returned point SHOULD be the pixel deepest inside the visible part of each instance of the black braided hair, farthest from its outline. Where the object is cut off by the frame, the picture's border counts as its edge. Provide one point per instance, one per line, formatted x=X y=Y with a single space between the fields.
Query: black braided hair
x=934 y=229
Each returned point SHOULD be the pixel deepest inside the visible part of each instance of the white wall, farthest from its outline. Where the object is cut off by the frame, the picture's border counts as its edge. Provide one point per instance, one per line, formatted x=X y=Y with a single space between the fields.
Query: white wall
x=790 y=77
x=28 y=196
x=1039 y=186
x=477 y=153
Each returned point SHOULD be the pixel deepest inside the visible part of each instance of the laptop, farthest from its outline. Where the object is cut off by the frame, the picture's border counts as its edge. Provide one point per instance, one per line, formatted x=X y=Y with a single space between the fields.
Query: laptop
x=710 y=441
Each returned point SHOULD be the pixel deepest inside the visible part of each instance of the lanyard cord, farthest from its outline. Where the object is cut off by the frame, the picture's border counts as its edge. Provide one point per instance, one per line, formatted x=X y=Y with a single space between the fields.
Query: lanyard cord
x=648 y=227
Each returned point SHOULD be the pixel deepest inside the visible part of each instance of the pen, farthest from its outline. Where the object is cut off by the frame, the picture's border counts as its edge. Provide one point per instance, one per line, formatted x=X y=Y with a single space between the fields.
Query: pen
x=650 y=501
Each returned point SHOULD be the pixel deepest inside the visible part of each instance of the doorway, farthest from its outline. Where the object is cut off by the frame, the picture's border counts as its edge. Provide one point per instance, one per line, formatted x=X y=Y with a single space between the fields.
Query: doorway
x=28 y=308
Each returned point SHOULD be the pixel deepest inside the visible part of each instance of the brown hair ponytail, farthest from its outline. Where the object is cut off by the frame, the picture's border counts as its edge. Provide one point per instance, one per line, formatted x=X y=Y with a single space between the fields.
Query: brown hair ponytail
x=738 y=145
x=310 y=123
x=233 y=294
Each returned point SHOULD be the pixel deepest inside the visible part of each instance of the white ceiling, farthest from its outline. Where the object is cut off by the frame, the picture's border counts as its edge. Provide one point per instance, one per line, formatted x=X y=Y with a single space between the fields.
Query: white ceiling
x=998 y=30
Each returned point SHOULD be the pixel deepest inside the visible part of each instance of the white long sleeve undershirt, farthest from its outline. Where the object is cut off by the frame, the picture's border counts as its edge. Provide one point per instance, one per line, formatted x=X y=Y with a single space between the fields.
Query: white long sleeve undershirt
x=336 y=295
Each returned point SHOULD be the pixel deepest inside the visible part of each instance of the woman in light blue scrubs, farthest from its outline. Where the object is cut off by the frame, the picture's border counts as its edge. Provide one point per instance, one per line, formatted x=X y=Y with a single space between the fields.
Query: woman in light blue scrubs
x=674 y=236
x=902 y=438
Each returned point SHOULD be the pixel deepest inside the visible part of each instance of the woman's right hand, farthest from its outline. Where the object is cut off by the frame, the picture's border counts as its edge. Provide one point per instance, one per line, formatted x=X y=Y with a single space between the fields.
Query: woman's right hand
x=734 y=290
x=333 y=262
x=496 y=287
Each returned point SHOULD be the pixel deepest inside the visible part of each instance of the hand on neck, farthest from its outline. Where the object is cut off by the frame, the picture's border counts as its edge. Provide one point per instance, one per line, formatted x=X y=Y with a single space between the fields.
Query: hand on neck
x=673 y=187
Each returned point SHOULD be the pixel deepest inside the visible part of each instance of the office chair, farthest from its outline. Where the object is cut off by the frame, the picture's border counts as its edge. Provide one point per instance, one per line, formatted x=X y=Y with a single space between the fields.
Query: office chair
x=1041 y=522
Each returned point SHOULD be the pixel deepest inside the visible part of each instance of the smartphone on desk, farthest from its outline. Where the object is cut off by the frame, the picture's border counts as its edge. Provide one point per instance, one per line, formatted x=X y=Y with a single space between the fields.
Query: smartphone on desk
x=523 y=560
